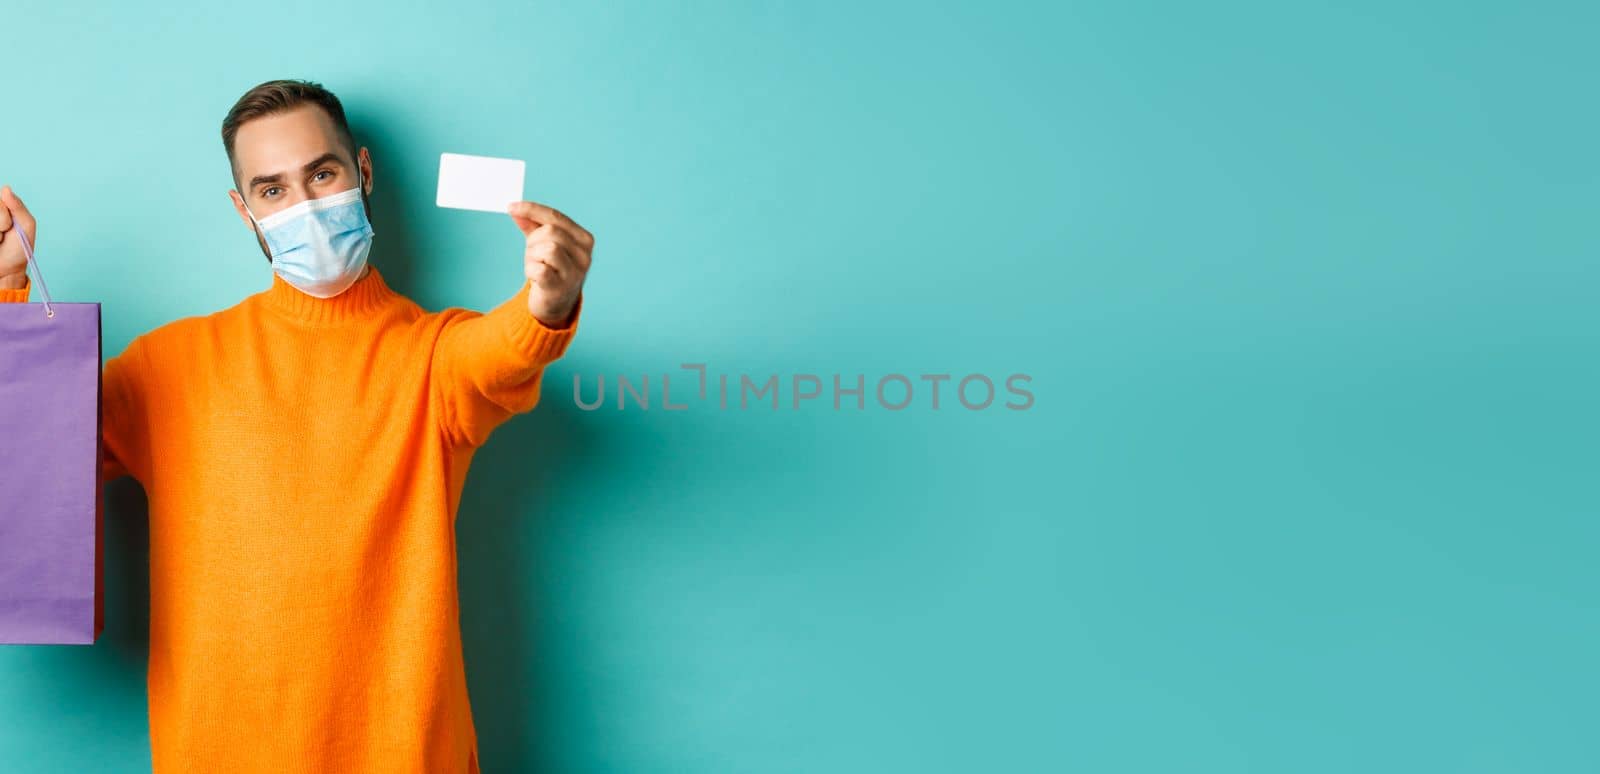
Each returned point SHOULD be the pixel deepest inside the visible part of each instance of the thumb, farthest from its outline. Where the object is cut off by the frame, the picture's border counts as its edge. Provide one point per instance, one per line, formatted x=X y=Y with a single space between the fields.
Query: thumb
x=527 y=226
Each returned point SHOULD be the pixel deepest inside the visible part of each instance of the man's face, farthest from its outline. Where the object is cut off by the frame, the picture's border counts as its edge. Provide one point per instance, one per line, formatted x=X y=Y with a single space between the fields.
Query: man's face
x=288 y=158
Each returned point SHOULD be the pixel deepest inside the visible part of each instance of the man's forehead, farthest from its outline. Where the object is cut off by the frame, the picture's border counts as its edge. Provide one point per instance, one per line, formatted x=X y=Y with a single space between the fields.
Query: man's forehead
x=285 y=141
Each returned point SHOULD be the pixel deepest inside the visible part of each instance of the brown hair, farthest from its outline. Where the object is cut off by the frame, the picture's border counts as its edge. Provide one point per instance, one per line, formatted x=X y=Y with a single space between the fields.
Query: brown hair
x=279 y=96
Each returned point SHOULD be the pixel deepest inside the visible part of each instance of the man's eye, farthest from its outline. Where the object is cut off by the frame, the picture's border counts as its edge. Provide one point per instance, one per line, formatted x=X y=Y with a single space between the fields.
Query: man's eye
x=271 y=192
x=319 y=175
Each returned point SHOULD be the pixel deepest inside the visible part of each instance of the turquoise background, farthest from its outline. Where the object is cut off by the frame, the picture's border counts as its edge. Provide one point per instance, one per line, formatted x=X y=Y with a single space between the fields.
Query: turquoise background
x=1307 y=295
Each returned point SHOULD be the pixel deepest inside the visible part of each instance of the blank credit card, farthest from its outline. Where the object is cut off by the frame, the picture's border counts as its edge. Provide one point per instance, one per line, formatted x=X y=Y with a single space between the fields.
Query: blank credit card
x=479 y=182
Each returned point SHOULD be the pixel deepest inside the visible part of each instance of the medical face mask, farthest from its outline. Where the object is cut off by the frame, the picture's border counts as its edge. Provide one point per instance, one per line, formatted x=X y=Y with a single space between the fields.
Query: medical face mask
x=320 y=245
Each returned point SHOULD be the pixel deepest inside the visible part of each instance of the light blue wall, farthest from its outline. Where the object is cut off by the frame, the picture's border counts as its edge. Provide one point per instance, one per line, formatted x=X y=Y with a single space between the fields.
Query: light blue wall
x=1307 y=295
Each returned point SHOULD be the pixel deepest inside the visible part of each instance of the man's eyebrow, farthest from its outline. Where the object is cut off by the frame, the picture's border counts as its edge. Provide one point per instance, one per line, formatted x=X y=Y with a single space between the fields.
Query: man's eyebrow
x=313 y=164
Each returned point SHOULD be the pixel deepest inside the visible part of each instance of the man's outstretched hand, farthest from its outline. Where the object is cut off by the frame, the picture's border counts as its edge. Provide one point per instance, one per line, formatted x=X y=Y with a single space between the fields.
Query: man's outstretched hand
x=13 y=262
x=556 y=259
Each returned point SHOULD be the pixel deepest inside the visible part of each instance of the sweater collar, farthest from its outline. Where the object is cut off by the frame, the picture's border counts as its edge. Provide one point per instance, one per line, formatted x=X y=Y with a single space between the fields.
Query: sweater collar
x=362 y=299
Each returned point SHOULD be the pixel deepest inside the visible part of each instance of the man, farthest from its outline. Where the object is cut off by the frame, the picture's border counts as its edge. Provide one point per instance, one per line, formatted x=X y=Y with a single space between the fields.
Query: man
x=303 y=453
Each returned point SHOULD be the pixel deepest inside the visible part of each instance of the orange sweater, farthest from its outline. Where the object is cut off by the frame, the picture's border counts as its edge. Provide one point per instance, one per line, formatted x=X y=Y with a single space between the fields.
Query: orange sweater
x=303 y=460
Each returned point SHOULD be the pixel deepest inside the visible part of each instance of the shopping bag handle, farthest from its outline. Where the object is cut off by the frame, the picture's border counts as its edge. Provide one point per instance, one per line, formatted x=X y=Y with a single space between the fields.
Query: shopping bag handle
x=27 y=250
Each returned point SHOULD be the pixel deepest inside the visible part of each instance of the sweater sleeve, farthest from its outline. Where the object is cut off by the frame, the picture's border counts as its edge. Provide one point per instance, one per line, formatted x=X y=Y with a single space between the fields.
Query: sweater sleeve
x=16 y=295
x=124 y=428
x=488 y=366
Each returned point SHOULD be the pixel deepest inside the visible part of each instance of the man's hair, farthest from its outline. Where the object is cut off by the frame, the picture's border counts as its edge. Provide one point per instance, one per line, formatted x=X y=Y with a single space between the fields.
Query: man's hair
x=280 y=96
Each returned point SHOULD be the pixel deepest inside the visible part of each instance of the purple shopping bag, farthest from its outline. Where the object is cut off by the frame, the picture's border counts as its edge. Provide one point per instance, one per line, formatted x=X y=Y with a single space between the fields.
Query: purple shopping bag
x=50 y=506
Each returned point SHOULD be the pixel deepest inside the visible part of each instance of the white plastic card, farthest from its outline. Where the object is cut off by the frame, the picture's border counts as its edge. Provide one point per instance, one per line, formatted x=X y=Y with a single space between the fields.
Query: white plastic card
x=479 y=182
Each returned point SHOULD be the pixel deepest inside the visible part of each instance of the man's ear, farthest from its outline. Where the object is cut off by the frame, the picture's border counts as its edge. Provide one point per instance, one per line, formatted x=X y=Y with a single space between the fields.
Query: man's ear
x=364 y=159
x=238 y=206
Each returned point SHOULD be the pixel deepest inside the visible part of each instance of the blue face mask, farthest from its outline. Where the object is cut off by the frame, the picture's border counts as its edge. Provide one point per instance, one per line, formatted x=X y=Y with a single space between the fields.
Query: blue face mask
x=319 y=246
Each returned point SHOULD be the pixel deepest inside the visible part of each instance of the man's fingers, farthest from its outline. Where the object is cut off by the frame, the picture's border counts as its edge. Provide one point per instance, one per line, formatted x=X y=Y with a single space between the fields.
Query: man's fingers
x=543 y=274
x=566 y=239
x=557 y=254
x=17 y=214
x=549 y=254
x=539 y=213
